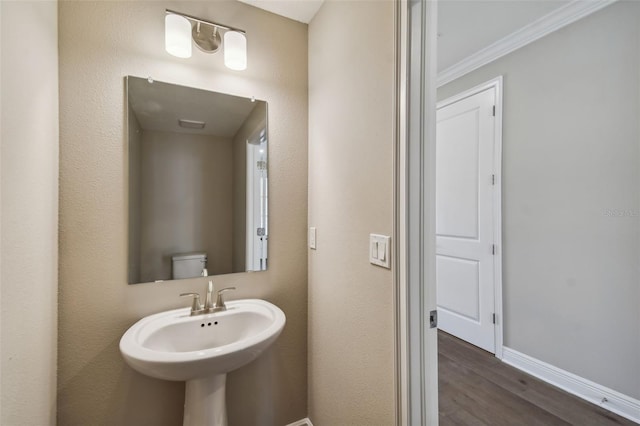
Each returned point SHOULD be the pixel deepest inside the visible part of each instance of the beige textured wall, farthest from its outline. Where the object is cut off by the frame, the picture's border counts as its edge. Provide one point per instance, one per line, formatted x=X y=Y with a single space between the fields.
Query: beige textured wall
x=186 y=205
x=29 y=246
x=351 y=342
x=101 y=42
x=571 y=153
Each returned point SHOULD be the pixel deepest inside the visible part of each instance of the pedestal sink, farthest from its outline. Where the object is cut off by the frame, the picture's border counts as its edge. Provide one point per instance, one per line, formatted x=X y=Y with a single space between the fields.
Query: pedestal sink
x=201 y=350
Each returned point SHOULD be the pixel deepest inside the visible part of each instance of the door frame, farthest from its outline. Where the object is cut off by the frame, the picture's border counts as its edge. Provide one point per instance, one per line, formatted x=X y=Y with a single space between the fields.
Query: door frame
x=252 y=143
x=497 y=85
x=416 y=355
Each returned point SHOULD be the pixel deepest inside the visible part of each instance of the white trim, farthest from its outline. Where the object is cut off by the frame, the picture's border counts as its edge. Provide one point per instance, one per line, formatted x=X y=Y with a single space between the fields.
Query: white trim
x=302 y=422
x=549 y=23
x=249 y=225
x=416 y=226
x=615 y=401
x=399 y=213
x=497 y=85
x=429 y=338
x=470 y=92
x=497 y=219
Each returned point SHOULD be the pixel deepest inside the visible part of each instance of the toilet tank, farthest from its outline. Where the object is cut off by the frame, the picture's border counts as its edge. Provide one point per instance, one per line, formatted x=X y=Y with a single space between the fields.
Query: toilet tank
x=188 y=265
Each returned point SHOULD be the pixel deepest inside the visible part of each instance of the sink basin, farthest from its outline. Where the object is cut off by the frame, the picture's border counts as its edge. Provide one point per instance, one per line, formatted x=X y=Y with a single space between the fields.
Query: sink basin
x=201 y=350
x=175 y=346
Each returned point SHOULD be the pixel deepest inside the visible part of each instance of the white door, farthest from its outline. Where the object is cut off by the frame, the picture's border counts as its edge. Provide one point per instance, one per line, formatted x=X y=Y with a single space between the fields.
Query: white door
x=465 y=169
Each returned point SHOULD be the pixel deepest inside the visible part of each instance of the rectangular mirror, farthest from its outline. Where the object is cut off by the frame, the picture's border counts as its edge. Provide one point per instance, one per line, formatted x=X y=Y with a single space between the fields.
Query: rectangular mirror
x=198 y=186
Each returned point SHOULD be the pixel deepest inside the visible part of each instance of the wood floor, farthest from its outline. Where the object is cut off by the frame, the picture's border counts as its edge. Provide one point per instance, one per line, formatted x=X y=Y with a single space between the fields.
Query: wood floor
x=478 y=389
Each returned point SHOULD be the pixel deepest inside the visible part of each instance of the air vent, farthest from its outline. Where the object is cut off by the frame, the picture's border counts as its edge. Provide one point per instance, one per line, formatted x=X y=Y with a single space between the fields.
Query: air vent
x=190 y=124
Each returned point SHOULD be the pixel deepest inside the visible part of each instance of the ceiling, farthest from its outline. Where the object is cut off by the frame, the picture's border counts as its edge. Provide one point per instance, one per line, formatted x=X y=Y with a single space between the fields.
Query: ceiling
x=159 y=106
x=464 y=26
x=298 y=10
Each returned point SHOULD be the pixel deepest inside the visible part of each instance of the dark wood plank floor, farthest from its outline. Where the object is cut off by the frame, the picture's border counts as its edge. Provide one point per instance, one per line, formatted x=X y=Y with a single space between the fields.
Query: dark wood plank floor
x=475 y=388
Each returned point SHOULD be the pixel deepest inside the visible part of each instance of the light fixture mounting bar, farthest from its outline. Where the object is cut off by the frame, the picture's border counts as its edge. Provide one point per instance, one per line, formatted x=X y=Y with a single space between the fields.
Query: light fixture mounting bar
x=204 y=21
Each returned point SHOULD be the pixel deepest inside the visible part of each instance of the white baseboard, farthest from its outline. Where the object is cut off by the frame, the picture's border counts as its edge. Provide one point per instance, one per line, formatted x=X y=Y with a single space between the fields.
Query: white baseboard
x=602 y=396
x=303 y=422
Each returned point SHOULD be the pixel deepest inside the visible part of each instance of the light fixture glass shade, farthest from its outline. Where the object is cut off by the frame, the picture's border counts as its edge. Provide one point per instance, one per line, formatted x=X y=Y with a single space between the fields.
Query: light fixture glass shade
x=235 y=50
x=177 y=35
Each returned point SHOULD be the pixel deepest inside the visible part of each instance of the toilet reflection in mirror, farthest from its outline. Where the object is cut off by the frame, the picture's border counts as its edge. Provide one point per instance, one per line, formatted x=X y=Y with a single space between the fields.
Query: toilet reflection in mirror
x=198 y=182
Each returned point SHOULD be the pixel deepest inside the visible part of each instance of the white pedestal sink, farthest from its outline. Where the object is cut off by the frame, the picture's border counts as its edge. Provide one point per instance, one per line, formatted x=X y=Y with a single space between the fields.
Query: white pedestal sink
x=201 y=350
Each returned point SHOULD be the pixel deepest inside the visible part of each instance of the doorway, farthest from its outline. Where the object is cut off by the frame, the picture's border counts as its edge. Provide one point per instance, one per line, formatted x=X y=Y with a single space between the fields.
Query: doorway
x=570 y=202
x=257 y=201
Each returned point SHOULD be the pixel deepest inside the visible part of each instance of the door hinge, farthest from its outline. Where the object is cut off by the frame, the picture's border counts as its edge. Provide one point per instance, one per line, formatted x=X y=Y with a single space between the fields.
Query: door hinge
x=494 y=111
x=493 y=318
x=493 y=249
x=433 y=319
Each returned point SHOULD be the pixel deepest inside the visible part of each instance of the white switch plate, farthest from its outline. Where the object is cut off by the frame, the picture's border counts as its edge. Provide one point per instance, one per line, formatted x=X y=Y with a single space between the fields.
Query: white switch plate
x=379 y=250
x=312 y=237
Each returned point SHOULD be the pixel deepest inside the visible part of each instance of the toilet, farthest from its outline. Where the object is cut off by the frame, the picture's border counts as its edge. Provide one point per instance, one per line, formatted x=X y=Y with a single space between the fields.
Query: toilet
x=188 y=265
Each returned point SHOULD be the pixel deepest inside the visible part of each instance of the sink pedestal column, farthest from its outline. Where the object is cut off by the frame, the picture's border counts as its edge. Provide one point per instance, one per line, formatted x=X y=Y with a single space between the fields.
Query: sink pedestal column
x=204 y=402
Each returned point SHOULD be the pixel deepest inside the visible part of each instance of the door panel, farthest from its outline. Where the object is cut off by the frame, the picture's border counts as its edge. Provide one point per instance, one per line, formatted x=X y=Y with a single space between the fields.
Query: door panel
x=464 y=219
x=457 y=192
x=457 y=277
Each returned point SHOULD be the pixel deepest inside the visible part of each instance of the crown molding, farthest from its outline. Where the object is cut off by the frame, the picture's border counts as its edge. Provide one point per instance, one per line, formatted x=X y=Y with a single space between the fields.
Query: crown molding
x=539 y=28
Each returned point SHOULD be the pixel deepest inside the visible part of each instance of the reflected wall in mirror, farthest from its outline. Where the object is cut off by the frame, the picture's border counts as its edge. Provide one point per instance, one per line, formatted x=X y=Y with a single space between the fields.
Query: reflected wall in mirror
x=198 y=185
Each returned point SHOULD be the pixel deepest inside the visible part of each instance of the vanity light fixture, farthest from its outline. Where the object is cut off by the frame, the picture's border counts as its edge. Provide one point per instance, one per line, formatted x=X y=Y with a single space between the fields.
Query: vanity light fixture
x=180 y=29
x=235 y=50
x=177 y=36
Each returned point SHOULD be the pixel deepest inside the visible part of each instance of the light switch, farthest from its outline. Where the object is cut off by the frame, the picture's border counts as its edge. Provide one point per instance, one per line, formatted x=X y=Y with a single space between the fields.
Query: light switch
x=374 y=249
x=312 y=237
x=379 y=247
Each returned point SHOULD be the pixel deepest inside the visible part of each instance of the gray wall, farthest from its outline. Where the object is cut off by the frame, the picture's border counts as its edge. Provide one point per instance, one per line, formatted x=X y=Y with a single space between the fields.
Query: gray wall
x=100 y=43
x=186 y=201
x=351 y=321
x=29 y=224
x=571 y=157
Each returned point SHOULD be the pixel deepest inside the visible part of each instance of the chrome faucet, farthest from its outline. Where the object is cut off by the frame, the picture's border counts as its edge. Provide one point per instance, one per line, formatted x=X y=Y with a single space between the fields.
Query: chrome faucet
x=220 y=306
x=198 y=309
x=208 y=301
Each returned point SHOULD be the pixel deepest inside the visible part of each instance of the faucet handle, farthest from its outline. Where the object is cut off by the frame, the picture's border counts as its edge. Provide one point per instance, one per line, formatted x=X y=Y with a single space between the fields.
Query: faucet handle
x=196 y=307
x=220 y=306
x=208 y=301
